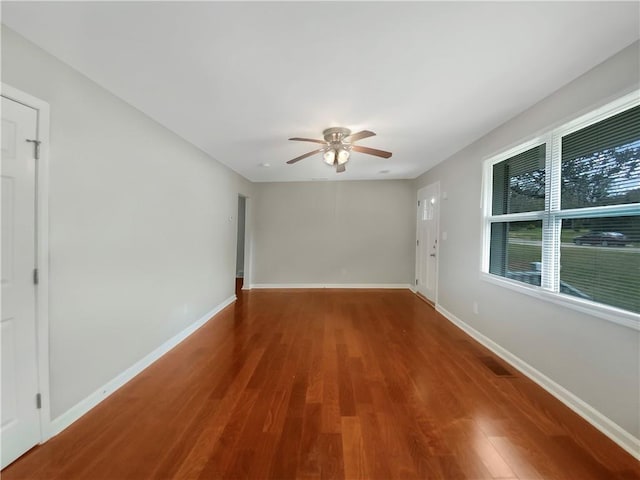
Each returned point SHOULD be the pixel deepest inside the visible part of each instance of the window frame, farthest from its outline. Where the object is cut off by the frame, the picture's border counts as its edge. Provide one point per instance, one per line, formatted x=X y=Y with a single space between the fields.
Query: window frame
x=552 y=216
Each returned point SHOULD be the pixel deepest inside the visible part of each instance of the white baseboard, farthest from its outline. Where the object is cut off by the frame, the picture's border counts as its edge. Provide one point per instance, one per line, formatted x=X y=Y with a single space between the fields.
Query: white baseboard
x=74 y=413
x=332 y=285
x=611 y=429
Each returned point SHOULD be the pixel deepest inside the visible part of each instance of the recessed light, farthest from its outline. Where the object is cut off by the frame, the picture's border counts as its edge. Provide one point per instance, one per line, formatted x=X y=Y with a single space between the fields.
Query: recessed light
x=384 y=171
x=265 y=165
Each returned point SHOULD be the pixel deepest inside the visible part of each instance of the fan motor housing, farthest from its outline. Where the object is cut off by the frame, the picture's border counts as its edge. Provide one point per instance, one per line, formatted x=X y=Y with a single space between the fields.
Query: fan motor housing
x=335 y=134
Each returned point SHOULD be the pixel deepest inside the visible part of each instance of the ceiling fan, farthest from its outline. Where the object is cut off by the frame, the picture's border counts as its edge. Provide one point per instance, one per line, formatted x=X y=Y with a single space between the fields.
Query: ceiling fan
x=337 y=146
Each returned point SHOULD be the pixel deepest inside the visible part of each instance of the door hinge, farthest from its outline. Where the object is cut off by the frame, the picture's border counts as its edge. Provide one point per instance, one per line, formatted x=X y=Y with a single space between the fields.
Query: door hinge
x=36 y=146
x=35 y=276
x=418 y=202
x=416 y=281
x=418 y=242
x=38 y=400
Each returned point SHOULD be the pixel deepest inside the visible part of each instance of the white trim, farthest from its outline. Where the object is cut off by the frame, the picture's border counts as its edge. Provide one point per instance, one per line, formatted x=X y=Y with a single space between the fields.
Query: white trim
x=42 y=250
x=248 y=243
x=611 y=429
x=619 y=101
x=553 y=215
x=82 y=407
x=595 y=309
x=246 y=261
x=333 y=285
x=601 y=113
x=417 y=249
x=517 y=217
x=421 y=195
x=538 y=140
x=604 y=211
x=552 y=225
x=485 y=207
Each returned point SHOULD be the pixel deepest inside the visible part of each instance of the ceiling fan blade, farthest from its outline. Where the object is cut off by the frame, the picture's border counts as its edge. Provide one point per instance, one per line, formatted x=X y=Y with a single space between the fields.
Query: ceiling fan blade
x=301 y=157
x=308 y=140
x=340 y=168
x=354 y=137
x=371 y=151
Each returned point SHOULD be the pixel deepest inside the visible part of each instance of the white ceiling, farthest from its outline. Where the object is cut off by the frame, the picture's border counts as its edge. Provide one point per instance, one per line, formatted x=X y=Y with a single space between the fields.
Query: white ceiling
x=238 y=79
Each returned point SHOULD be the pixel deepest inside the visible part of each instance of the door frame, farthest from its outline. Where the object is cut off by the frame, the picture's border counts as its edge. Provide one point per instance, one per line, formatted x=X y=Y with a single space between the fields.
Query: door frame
x=419 y=194
x=246 y=266
x=42 y=251
x=248 y=245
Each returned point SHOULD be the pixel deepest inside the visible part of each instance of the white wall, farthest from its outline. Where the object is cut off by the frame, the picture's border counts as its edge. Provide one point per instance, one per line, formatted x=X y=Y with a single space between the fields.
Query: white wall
x=596 y=360
x=334 y=232
x=141 y=244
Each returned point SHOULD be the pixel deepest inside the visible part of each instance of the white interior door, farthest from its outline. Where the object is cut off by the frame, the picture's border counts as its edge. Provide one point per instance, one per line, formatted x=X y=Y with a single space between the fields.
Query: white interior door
x=20 y=426
x=427 y=241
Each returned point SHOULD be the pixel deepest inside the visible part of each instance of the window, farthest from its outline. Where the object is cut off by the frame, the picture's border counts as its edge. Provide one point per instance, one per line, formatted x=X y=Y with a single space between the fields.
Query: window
x=562 y=213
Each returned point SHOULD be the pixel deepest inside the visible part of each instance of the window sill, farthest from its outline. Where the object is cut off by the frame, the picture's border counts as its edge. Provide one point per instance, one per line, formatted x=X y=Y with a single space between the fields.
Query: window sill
x=611 y=314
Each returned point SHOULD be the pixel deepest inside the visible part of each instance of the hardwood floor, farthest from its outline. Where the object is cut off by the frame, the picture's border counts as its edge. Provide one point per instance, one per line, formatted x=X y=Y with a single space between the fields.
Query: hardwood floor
x=329 y=384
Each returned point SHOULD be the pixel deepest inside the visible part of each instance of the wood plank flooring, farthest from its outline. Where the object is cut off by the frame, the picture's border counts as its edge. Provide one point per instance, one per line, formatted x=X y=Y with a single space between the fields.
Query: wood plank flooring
x=323 y=384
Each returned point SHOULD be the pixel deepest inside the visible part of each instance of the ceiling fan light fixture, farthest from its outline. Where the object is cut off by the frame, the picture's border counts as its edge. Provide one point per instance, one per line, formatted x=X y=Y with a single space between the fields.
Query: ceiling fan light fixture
x=343 y=156
x=329 y=157
x=337 y=146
